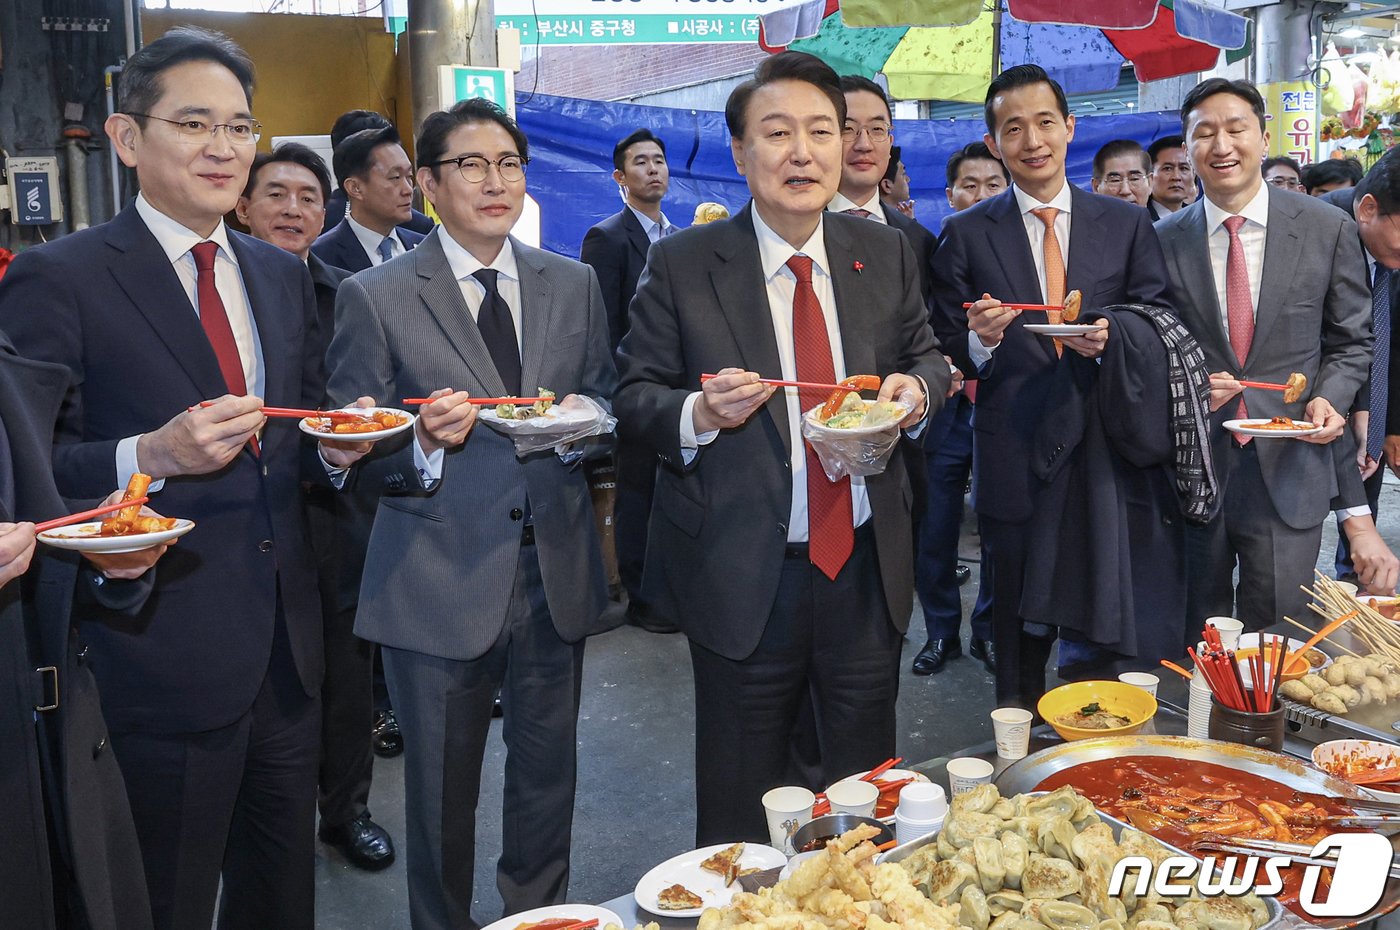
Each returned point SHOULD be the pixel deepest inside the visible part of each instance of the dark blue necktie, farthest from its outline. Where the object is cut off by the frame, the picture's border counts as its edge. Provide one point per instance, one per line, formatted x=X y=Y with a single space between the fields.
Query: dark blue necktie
x=1380 y=361
x=498 y=331
x=7 y=478
x=386 y=249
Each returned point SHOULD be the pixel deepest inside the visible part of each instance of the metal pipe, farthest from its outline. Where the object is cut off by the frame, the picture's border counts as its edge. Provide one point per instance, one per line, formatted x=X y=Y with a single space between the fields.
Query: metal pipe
x=114 y=163
x=130 y=13
x=446 y=32
x=78 y=216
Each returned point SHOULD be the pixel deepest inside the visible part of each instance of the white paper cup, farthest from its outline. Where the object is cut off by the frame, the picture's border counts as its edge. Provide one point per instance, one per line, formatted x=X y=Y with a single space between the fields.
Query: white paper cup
x=922 y=801
x=1198 y=707
x=789 y=809
x=1229 y=628
x=1012 y=726
x=853 y=797
x=907 y=831
x=1144 y=680
x=967 y=773
x=1350 y=588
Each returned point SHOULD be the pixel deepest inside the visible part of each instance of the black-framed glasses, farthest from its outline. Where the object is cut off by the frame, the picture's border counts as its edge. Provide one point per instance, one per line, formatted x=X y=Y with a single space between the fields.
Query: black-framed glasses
x=195 y=130
x=475 y=167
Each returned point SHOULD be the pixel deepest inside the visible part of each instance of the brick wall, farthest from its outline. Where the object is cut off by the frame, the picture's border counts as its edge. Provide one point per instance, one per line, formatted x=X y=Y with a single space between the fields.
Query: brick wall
x=619 y=72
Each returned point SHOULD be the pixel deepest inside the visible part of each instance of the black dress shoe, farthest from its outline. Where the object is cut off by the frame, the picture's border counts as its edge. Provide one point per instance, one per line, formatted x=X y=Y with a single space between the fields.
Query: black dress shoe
x=640 y=616
x=962 y=573
x=930 y=659
x=365 y=843
x=388 y=741
x=984 y=650
x=497 y=711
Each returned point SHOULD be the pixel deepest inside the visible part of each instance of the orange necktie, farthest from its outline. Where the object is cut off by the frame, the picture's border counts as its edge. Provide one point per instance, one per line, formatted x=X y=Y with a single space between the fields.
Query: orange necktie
x=1054 y=263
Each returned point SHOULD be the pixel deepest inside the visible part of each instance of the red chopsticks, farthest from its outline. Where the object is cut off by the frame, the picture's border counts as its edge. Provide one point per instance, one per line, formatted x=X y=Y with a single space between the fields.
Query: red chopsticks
x=87 y=514
x=882 y=768
x=806 y=385
x=298 y=413
x=482 y=400
x=1221 y=671
x=1265 y=385
x=582 y=925
x=968 y=306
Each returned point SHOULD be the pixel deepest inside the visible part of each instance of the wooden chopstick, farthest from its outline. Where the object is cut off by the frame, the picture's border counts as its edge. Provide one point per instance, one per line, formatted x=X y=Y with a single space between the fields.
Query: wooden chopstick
x=87 y=514
x=807 y=385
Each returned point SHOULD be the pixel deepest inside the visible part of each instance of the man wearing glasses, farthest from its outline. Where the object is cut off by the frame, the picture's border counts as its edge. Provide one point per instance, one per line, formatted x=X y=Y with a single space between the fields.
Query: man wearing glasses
x=211 y=690
x=484 y=571
x=1282 y=171
x=1121 y=169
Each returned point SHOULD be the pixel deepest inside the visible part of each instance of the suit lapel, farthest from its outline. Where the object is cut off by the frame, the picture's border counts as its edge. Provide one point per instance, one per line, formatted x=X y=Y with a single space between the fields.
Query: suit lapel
x=742 y=295
x=150 y=282
x=442 y=295
x=636 y=235
x=1197 y=278
x=1006 y=239
x=536 y=315
x=1086 y=242
x=852 y=294
x=1282 y=249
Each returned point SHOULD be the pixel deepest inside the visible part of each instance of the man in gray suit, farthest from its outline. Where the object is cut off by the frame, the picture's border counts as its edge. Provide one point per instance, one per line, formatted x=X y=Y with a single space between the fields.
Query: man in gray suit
x=786 y=583
x=1269 y=282
x=484 y=569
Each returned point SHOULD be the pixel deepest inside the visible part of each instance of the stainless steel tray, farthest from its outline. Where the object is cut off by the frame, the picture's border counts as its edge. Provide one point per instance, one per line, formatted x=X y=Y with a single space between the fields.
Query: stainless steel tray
x=1374 y=721
x=1024 y=775
x=1278 y=915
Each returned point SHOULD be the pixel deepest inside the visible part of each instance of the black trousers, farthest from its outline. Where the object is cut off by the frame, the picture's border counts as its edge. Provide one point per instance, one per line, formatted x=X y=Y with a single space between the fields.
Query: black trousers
x=636 y=481
x=347 y=717
x=1021 y=657
x=832 y=640
x=1274 y=559
x=444 y=709
x=238 y=804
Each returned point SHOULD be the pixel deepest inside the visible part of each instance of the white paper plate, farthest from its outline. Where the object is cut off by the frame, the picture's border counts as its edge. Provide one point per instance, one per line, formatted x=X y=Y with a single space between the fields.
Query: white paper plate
x=82 y=537
x=811 y=417
x=1238 y=426
x=685 y=870
x=375 y=436
x=1061 y=329
x=576 y=911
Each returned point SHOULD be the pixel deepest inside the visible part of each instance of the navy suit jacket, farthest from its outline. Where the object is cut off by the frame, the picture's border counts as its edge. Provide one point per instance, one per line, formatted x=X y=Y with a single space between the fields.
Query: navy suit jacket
x=924 y=244
x=617 y=249
x=106 y=304
x=340 y=249
x=1114 y=258
x=420 y=223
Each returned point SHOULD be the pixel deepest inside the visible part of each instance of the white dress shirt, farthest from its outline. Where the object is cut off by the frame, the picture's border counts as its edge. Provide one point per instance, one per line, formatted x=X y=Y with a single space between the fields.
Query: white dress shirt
x=654 y=230
x=840 y=204
x=1035 y=234
x=773 y=253
x=369 y=240
x=1252 y=236
x=176 y=241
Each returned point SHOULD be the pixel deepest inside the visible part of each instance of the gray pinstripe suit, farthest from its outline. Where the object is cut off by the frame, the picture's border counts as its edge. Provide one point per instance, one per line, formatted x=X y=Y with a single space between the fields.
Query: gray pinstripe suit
x=460 y=604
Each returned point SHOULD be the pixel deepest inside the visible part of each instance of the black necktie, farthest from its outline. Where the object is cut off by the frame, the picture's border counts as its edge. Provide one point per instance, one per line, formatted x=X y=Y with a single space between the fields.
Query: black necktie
x=7 y=478
x=498 y=331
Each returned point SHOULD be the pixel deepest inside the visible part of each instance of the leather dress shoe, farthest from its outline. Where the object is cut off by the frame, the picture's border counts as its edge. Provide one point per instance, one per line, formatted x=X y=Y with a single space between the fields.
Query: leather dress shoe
x=930 y=659
x=639 y=616
x=985 y=651
x=365 y=843
x=388 y=741
x=962 y=573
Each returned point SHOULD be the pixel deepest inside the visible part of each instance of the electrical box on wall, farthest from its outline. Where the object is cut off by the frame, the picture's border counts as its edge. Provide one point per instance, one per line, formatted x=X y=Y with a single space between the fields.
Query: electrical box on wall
x=33 y=182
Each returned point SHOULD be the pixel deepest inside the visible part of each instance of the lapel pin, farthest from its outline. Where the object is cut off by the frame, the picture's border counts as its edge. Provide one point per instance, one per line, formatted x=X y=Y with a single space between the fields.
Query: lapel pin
x=858 y=267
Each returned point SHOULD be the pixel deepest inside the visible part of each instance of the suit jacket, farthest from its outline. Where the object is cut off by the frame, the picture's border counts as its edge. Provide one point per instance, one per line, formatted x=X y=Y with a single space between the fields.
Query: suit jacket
x=1314 y=316
x=441 y=563
x=106 y=304
x=616 y=248
x=1156 y=210
x=418 y=222
x=924 y=244
x=340 y=249
x=1114 y=258
x=82 y=788
x=719 y=524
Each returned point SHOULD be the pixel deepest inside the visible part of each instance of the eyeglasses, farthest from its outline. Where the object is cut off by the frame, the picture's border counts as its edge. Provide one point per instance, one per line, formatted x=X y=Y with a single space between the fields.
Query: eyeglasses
x=1117 y=180
x=1279 y=180
x=876 y=134
x=474 y=167
x=238 y=132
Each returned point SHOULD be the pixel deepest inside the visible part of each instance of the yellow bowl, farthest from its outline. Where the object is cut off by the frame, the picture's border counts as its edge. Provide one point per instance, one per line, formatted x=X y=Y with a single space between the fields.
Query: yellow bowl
x=1294 y=667
x=1113 y=696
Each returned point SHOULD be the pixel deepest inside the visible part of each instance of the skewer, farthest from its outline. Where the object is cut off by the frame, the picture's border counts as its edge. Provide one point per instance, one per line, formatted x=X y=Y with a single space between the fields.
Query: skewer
x=1310 y=631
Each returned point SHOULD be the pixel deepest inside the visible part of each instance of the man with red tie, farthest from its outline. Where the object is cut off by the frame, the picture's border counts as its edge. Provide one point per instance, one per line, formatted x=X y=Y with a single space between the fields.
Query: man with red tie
x=785 y=582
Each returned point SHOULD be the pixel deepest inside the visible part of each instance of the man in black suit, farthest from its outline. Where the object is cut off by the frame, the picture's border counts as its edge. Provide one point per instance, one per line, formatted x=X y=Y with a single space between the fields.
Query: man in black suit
x=1269 y=282
x=1122 y=169
x=346 y=124
x=1033 y=244
x=70 y=856
x=616 y=248
x=894 y=186
x=211 y=690
x=1173 y=178
x=282 y=204
x=786 y=583
x=373 y=170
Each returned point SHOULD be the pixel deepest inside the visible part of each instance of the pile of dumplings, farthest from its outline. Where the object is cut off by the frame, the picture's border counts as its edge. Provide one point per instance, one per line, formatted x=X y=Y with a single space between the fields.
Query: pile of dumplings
x=1044 y=863
x=1349 y=682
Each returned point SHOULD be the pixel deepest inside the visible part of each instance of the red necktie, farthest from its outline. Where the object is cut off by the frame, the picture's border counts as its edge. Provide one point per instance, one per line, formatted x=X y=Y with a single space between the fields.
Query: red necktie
x=215 y=322
x=1239 y=304
x=830 y=536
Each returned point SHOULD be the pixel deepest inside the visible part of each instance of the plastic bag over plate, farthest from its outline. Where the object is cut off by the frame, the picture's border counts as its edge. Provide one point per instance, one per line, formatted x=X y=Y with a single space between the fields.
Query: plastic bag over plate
x=571 y=419
x=861 y=450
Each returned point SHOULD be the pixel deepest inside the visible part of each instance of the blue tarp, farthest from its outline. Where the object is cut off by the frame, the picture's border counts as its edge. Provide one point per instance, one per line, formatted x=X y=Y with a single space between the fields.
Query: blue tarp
x=571 y=143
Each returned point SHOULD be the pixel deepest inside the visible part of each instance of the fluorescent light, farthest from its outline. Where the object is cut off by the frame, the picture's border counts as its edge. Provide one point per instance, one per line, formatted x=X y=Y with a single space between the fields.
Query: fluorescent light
x=1355 y=32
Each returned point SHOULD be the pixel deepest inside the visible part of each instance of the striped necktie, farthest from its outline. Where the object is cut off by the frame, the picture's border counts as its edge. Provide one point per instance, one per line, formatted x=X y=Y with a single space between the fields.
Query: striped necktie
x=1380 y=361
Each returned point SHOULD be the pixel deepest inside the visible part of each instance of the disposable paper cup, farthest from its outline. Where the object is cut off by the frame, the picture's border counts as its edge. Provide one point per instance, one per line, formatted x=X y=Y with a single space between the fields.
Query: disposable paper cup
x=907 y=831
x=853 y=797
x=922 y=800
x=788 y=809
x=1012 y=726
x=1144 y=680
x=1229 y=628
x=1198 y=708
x=1350 y=588
x=967 y=773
